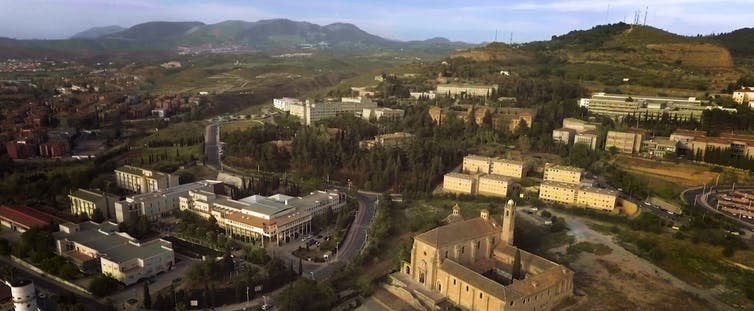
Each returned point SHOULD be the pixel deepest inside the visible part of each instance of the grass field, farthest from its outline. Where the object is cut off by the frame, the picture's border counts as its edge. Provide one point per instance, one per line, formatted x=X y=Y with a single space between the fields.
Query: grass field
x=240 y=125
x=175 y=133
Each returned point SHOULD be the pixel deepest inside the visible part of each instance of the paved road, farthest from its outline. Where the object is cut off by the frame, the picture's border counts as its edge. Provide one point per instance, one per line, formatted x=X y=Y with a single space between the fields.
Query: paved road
x=702 y=196
x=44 y=284
x=212 y=145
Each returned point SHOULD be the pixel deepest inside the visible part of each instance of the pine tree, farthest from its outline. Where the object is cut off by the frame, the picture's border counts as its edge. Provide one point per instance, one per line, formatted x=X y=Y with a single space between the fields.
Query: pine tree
x=516 y=269
x=147 y=298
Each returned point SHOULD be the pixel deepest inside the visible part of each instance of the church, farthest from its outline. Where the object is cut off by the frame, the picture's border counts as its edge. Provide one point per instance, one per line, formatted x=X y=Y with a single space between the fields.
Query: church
x=472 y=264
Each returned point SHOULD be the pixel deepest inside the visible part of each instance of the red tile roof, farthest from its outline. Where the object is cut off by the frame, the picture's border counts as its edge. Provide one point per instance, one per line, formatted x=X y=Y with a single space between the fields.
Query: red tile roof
x=25 y=216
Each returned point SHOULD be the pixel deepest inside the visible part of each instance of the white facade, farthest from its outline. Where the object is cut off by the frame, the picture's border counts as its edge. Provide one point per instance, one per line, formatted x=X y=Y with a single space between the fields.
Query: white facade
x=744 y=95
x=157 y=204
x=285 y=103
x=24 y=295
x=313 y=112
x=382 y=113
x=142 y=180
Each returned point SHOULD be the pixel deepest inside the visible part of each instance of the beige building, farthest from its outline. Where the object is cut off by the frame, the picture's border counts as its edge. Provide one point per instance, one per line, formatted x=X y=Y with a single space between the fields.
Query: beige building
x=697 y=142
x=464 y=89
x=510 y=168
x=141 y=180
x=618 y=106
x=476 y=164
x=392 y=140
x=89 y=202
x=493 y=185
x=596 y=198
x=459 y=183
x=745 y=95
x=473 y=265
x=92 y=246
x=628 y=141
x=562 y=173
x=560 y=192
x=563 y=135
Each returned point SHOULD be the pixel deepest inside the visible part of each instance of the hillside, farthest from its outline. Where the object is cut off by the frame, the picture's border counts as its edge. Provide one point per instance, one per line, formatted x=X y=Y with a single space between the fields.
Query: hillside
x=96 y=32
x=740 y=42
x=632 y=57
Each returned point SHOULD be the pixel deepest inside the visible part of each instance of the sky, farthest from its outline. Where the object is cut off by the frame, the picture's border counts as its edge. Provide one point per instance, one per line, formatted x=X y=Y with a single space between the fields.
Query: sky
x=470 y=21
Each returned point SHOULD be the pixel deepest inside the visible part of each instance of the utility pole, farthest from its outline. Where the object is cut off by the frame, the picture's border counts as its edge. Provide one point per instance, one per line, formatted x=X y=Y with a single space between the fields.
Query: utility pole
x=645 y=15
x=495 y=36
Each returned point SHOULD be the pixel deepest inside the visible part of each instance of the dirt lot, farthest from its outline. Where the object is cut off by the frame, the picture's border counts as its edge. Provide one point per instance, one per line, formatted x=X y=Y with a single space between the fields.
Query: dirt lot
x=685 y=174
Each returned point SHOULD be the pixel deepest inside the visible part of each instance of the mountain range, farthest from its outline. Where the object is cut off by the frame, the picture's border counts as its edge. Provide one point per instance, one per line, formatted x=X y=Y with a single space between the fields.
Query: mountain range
x=263 y=35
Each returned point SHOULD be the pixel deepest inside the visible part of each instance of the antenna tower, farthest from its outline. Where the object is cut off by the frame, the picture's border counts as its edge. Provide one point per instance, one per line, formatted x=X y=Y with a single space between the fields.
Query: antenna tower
x=646 y=10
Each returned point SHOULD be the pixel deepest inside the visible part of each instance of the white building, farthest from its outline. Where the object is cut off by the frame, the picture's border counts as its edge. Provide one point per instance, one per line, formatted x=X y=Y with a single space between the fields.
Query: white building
x=744 y=96
x=285 y=103
x=382 y=113
x=426 y=95
x=93 y=246
x=312 y=112
x=276 y=218
x=24 y=295
x=155 y=205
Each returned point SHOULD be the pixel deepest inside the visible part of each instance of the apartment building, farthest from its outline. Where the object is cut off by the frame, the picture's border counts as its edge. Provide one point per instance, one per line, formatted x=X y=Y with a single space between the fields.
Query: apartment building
x=89 y=202
x=392 y=140
x=155 y=205
x=619 y=106
x=141 y=180
x=312 y=112
x=464 y=89
x=276 y=218
x=285 y=103
x=562 y=173
x=510 y=168
x=476 y=164
x=628 y=141
x=745 y=95
x=99 y=247
x=560 y=192
x=459 y=183
x=596 y=198
x=493 y=185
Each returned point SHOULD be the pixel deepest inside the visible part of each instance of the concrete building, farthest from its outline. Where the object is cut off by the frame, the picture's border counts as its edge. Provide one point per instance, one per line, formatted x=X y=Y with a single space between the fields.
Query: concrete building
x=587 y=138
x=473 y=265
x=276 y=218
x=90 y=202
x=510 y=168
x=459 y=183
x=423 y=95
x=559 y=192
x=493 y=185
x=23 y=295
x=575 y=131
x=658 y=147
x=312 y=112
x=476 y=164
x=93 y=246
x=745 y=95
x=562 y=173
x=618 y=106
x=285 y=103
x=20 y=219
x=596 y=198
x=697 y=142
x=628 y=141
x=155 y=205
x=563 y=135
x=381 y=113
x=141 y=180
x=392 y=140
x=464 y=89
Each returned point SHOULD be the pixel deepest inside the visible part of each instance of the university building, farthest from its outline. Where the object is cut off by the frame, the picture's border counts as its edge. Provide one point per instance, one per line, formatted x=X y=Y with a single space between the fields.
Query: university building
x=618 y=106
x=99 y=247
x=477 y=184
x=275 y=219
x=473 y=265
x=464 y=89
x=628 y=141
x=575 y=194
x=89 y=202
x=141 y=180
x=562 y=173
x=310 y=113
x=155 y=205
x=480 y=164
x=575 y=131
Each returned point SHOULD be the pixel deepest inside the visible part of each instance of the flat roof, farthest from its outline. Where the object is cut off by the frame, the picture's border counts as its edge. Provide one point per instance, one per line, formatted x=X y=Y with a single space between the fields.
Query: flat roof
x=477 y=157
x=176 y=189
x=560 y=184
x=599 y=190
x=87 y=195
x=564 y=168
x=509 y=161
x=256 y=203
x=459 y=175
x=496 y=177
x=133 y=250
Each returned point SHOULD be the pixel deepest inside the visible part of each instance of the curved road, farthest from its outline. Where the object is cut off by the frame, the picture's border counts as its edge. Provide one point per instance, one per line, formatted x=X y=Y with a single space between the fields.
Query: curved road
x=697 y=196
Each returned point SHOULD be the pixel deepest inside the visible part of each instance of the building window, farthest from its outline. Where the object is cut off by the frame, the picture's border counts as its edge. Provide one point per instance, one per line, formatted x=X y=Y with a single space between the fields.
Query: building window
x=467 y=288
x=480 y=295
x=462 y=249
x=454 y=281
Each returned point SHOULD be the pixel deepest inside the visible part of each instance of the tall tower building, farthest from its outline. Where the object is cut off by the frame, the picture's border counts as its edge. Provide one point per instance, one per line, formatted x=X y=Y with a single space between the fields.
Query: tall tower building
x=24 y=295
x=509 y=222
